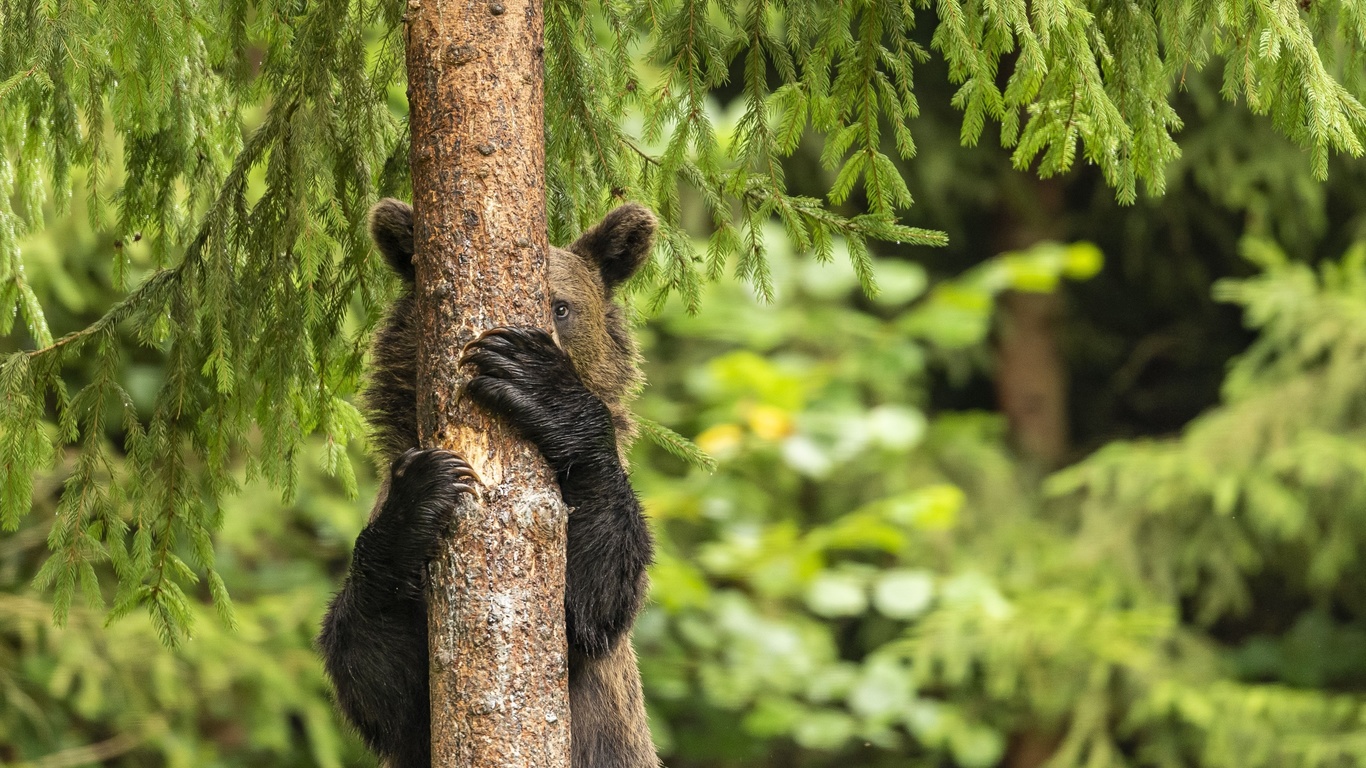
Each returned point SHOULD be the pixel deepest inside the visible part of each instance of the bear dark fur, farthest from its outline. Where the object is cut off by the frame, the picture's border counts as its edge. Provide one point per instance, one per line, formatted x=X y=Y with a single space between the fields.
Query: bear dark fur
x=570 y=401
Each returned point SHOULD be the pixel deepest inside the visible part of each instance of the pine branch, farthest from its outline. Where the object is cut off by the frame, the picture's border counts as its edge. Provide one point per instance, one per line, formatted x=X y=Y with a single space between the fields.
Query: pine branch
x=675 y=444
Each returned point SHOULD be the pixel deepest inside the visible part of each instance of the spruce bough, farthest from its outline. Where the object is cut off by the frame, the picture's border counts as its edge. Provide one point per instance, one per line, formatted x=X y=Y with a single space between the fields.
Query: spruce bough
x=250 y=139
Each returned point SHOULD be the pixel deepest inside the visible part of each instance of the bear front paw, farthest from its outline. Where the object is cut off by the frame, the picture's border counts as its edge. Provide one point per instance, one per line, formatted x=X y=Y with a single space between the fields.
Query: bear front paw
x=523 y=378
x=424 y=486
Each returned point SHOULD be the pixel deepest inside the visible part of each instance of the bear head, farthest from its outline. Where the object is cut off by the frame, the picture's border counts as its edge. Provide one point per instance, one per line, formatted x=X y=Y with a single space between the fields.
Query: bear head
x=589 y=326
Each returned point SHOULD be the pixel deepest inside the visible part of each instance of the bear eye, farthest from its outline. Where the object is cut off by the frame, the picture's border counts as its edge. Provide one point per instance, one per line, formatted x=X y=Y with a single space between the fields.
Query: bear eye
x=561 y=309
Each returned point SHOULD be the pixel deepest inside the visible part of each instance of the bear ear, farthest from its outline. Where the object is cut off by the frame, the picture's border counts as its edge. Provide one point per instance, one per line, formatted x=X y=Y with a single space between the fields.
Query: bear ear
x=619 y=244
x=391 y=227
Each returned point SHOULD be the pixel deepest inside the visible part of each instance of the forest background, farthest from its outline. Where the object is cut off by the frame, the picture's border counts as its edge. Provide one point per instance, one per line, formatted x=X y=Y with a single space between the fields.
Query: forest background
x=1061 y=464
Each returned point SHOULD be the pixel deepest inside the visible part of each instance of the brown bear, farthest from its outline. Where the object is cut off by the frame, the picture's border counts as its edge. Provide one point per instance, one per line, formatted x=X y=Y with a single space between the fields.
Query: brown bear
x=570 y=401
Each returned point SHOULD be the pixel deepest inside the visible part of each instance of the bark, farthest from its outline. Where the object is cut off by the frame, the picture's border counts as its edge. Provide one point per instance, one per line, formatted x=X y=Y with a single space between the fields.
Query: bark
x=1031 y=381
x=499 y=665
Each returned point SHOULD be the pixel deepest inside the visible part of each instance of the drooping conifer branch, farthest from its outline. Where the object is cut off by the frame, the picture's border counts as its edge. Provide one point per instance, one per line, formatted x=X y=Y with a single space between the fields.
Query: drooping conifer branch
x=264 y=341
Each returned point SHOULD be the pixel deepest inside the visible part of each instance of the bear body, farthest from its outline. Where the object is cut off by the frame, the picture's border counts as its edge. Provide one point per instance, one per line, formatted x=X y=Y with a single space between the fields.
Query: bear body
x=570 y=401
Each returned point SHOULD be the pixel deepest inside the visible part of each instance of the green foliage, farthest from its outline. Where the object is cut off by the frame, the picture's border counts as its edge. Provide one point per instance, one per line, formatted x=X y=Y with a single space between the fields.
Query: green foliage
x=255 y=256
x=95 y=691
x=866 y=592
x=783 y=578
x=241 y=145
x=957 y=313
x=868 y=577
x=1261 y=483
x=859 y=581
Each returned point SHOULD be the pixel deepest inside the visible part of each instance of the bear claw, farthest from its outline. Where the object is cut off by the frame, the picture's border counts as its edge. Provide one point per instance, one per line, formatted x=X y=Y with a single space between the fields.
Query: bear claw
x=445 y=459
x=437 y=462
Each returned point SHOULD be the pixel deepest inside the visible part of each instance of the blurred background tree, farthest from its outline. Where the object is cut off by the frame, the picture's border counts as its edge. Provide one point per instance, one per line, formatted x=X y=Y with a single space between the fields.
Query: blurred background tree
x=1085 y=486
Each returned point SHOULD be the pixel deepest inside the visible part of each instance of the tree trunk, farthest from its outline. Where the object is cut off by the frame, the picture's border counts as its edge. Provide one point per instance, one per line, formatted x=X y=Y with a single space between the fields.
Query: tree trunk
x=1031 y=384
x=499 y=666
x=1031 y=374
x=1031 y=380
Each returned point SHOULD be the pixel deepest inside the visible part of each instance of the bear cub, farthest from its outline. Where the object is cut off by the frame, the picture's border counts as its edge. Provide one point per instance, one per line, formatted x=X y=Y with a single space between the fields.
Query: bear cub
x=569 y=399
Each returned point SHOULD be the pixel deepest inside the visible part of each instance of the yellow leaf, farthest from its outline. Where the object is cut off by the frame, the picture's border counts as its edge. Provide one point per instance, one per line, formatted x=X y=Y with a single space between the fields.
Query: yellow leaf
x=768 y=422
x=721 y=440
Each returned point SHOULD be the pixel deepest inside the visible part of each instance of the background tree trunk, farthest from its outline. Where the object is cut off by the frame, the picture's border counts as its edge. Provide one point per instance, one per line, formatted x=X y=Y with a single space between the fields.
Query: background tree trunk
x=499 y=667
x=1031 y=374
x=1031 y=384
